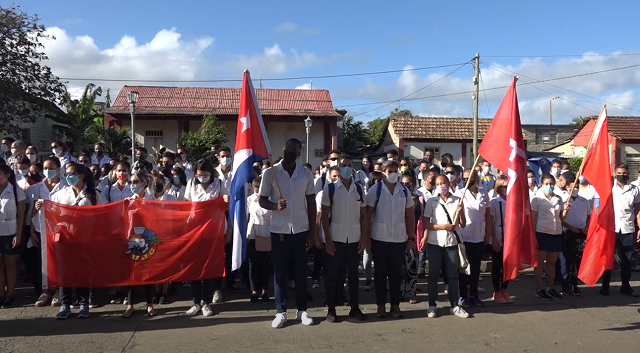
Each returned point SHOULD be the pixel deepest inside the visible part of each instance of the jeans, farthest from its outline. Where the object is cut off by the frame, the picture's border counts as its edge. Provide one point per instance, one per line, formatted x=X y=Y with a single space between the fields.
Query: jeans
x=438 y=255
x=202 y=291
x=148 y=292
x=389 y=258
x=259 y=267
x=497 y=266
x=474 y=254
x=624 y=245
x=81 y=293
x=345 y=256
x=422 y=260
x=290 y=252
x=367 y=263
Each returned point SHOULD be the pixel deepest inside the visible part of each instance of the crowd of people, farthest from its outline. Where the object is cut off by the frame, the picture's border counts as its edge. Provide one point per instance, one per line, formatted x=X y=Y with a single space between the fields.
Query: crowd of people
x=391 y=216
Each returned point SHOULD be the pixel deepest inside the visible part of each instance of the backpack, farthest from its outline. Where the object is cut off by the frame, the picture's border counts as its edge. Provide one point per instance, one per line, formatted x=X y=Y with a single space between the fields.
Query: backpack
x=323 y=179
x=379 y=192
x=332 y=191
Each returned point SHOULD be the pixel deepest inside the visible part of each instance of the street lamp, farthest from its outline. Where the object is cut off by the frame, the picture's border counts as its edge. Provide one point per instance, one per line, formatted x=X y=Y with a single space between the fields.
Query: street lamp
x=132 y=98
x=307 y=124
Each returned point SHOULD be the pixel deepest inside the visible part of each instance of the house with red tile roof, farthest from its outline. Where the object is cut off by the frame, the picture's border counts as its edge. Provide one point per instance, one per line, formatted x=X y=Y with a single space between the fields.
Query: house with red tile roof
x=163 y=113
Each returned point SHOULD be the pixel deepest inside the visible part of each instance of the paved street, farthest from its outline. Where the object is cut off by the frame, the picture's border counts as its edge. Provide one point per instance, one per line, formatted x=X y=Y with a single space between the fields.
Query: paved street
x=591 y=323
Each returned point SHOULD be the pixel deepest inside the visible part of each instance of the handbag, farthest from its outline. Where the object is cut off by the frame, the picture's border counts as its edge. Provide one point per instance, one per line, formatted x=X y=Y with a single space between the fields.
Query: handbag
x=463 y=266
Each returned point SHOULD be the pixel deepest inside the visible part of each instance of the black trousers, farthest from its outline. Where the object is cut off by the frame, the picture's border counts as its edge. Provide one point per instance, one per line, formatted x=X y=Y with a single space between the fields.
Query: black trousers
x=148 y=292
x=259 y=267
x=35 y=258
x=570 y=242
x=474 y=254
x=202 y=291
x=345 y=257
x=318 y=263
x=388 y=258
x=81 y=293
x=497 y=267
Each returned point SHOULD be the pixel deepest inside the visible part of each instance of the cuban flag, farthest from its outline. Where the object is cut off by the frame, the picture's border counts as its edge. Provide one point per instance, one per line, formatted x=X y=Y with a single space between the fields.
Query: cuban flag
x=252 y=145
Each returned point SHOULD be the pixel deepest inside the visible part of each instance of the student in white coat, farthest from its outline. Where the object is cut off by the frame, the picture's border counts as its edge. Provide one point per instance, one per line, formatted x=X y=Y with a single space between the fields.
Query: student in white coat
x=80 y=191
x=178 y=183
x=258 y=246
x=12 y=200
x=498 y=209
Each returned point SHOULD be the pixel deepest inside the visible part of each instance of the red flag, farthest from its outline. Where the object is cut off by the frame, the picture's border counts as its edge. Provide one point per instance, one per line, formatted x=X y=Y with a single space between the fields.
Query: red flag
x=601 y=237
x=503 y=147
x=133 y=242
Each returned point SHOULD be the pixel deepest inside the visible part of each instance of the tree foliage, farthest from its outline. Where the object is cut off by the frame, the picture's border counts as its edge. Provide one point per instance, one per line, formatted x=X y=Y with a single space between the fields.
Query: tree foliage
x=115 y=140
x=81 y=113
x=575 y=163
x=354 y=135
x=375 y=129
x=199 y=143
x=27 y=87
x=579 y=121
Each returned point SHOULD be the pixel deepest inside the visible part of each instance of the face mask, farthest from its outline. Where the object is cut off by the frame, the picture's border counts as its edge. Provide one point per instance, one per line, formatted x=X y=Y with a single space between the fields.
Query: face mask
x=548 y=189
x=564 y=171
x=183 y=157
x=203 y=180
x=122 y=175
x=391 y=159
x=4 y=148
x=555 y=171
x=346 y=172
x=36 y=177
x=85 y=163
x=157 y=187
x=333 y=163
x=96 y=176
x=56 y=151
x=14 y=151
x=403 y=168
x=366 y=165
x=429 y=159
x=289 y=157
x=178 y=165
x=451 y=177
x=583 y=181
x=575 y=192
x=225 y=161
x=99 y=152
x=333 y=180
x=622 y=179
x=443 y=164
x=50 y=173
x=176 y=180
x=530 y=180
x=485 y=170
x=72 y=180
x=24 y=172
x=392 y=178
x=32 y=157
x=135 y=188
x=441 y=189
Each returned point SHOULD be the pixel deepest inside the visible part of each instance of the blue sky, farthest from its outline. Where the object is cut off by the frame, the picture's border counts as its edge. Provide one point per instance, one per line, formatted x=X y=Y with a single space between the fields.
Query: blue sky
x=217 y=39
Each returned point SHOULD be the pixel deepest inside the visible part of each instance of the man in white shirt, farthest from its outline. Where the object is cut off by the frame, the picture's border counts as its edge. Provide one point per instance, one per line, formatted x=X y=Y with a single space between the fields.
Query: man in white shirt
x=99 y=158
x=225 y=175
x=346 y=237
x=487 y=180
x=393 y=229
x=556 y=168
x=186 y=165
x=636 y=182
x=287 y=190
x=626 y=206
x=5 y=148
x=320 y=182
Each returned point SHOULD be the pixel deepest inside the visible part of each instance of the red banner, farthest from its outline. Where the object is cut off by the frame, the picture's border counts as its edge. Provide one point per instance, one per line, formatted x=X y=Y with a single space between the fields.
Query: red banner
x=133 y=242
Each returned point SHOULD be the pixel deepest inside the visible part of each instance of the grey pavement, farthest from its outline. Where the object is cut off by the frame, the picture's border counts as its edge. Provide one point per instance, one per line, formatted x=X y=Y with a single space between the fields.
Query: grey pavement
x=591 y=323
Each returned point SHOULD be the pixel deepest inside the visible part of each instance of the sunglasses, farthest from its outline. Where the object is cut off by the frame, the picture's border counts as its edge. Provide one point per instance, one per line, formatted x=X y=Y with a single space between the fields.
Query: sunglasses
x=450 y=172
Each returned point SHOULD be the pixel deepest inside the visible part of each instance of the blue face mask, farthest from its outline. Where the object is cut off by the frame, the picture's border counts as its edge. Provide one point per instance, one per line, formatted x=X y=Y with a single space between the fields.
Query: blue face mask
x=176 y=180
x=346 y=172
x=50 y=173
x=548 y=189
x=135 y=188
x=203 y=180
x=72 y=180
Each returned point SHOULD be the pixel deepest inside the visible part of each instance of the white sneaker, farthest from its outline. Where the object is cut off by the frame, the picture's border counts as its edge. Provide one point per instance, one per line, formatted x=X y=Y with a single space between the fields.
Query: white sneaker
x=304 y=317
x=279 y=321
x=431 y=313
x=217 y=297
x=480 y=290
x=194 y=310
x=206 y=310
x=446 y=289
x=459 y=312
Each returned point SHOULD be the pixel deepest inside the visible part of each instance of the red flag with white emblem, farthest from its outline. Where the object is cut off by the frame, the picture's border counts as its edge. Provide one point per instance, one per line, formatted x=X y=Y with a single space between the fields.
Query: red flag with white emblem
x=503 y=147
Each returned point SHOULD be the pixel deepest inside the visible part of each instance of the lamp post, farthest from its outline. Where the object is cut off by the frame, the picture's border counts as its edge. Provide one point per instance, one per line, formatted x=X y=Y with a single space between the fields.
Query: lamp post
x=132 y=98
x=307 y=124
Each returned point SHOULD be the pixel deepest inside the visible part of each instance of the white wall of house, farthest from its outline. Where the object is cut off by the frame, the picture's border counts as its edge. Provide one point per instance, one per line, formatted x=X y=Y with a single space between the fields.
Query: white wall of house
x=415 y=150
x=40 y=133
x=151 y=133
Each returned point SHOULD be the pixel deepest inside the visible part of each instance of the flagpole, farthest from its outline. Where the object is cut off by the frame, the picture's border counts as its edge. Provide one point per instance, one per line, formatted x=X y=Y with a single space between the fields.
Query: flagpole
x=584 y=159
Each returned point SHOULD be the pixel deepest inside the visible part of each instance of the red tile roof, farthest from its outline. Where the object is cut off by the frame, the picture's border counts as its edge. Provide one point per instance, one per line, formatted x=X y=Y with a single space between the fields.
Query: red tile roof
x=154 y=100
x=438 y=128
x=621 y=127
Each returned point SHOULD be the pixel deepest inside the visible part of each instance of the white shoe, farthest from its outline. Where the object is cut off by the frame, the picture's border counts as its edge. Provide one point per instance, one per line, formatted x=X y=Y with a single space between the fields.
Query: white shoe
x=446 y=289
x=480 y=290
x=194 y=310
x=206 y=310
x=459 y=312
x=279 y=321
x=217 y=297
x=431 y=313
x=304 y=317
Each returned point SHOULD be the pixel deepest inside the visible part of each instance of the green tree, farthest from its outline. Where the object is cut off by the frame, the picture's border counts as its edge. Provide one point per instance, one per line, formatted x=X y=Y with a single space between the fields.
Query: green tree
x=355 y=134
x=27 y=87
x=375 y=129
x=115 y=140
x=575 y=163
x=579 y=121
x=81 y=114
x=199 y=143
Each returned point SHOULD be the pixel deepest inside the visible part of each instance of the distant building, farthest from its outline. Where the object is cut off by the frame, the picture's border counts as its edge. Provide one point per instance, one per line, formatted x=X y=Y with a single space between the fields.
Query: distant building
x=542 y=137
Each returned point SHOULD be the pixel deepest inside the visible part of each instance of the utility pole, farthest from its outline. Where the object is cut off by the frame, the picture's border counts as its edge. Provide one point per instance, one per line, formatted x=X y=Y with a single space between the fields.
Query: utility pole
x=476 y=92
x=551 y=109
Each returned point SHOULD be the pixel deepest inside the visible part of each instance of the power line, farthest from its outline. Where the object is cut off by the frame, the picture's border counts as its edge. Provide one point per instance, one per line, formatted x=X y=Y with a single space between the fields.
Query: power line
x=262 y=79
x=559 y=55
x=427 y=87
x=485 y=95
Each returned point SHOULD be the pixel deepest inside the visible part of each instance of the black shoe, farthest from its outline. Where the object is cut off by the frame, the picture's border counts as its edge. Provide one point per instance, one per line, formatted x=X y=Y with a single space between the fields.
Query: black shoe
x=381 y=313
x=156 y=300
x=332 y=317
x=543 y=295
x=604 y=291
x=265 y=298
x=421 y=274
x=8 y=303
x=566 y=290
x=395 y=312
x=254 y=299
x=624 y=290
x=164 y=299
x=357 y=314
x=309 y=297
x=576 y=291
x=552 y=292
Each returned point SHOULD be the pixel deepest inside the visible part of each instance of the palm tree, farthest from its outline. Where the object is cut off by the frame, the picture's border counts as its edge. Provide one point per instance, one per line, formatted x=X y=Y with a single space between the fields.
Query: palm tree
x=579 y=121
x=80 y=113
x=115 y=140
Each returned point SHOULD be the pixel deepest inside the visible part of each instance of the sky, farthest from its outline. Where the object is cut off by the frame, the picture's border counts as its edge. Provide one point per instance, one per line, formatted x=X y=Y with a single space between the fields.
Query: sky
x=214 y=40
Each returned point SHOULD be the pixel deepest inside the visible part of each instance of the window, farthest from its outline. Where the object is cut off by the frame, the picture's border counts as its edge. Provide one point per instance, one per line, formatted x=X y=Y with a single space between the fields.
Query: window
x=25 y=136
x=546 y=137
x=153 y=133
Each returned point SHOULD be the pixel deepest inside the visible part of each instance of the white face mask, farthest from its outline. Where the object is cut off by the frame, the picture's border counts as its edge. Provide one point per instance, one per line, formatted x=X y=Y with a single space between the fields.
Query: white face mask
x=451 y=177
x=555 y=171
x=57 y=151
x=564 y=171
x=575 y=192
x=530 y=180
x=177 y=165
x=225 y=161
x=333 y=163
x=392 y=178
x=485 y=170
x=391 y=159
x=14 y=151
x=32 y=157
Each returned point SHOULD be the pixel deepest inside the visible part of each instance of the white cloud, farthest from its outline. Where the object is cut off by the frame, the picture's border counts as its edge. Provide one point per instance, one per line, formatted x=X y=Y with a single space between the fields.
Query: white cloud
x=286 y=27
x=273 y=61
x=292 y=27
x=304 y=86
